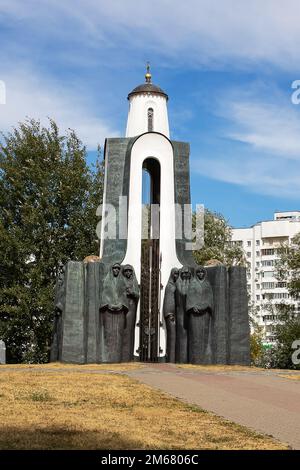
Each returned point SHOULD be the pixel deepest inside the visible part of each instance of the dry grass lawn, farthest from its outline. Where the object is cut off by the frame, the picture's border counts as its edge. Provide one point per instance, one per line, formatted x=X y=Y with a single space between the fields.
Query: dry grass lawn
x=78 y=367
x=86 y=410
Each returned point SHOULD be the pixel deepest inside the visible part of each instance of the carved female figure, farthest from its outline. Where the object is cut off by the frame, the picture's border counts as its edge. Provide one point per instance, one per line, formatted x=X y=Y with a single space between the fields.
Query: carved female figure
x=169 y=311
x=112 y=311
x=182 y=285
x=130 y=294
x=199 y=307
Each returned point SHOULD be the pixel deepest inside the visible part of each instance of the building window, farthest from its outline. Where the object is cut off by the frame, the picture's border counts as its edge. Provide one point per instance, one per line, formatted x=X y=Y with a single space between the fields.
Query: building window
x=257 y=242
x=268 y=285
x=268 y=252
x=150 y=119
x=269 y=317
x=281 y=284
x=257 y=286
x=257 y=264
x=248 y=254
x=258 y=297
x=268 y=274
x=257 y=253
x=276 y=295
x=267 y=263
x=248 y=243
x=237 y=243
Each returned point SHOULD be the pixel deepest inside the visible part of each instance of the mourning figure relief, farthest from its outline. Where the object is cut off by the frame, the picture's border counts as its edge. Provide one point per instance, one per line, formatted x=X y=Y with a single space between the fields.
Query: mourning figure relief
x=118 y=312
x=188 y=310
x=199 y=308
x=131 y=297
x=112 y=315
x=182 y=285
x=169 y=311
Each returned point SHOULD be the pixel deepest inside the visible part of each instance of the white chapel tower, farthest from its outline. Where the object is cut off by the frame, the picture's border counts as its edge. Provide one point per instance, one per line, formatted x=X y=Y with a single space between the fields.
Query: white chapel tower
x=147 y=109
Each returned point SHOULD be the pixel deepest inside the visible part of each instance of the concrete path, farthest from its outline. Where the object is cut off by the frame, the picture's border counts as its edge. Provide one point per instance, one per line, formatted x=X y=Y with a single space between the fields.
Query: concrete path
x=261 y=400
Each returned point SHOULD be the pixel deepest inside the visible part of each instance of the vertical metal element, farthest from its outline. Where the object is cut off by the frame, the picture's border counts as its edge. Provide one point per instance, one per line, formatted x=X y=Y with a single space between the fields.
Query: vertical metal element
x=150 y=303
x=150 y=293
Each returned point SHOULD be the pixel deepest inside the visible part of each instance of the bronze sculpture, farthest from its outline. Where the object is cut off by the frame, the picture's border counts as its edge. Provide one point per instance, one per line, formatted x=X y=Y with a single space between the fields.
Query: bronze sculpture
x=113 y=312
x=199 y=309
x=188 y=308
x=130 y=292
x=182 y=284
x=169 y=310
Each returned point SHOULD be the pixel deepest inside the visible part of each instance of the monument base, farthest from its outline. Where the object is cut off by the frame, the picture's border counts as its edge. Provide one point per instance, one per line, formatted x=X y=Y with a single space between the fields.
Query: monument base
x=80 y=337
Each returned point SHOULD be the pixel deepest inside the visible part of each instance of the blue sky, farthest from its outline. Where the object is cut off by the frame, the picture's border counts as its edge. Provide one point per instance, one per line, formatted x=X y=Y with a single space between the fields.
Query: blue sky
x=227 y=67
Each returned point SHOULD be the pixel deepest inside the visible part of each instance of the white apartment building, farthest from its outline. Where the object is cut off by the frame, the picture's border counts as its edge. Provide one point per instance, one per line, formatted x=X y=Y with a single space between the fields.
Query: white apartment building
x=260 y=243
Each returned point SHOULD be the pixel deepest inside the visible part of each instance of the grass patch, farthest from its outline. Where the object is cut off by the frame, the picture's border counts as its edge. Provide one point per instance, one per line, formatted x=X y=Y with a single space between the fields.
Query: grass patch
x=220 y=368
x=39 y=395
x=84 y=410
x=290 y=376
x=77 y=367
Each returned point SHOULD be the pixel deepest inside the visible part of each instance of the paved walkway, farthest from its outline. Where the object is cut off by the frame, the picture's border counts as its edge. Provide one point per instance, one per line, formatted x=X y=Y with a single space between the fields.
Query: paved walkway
x=261 y=400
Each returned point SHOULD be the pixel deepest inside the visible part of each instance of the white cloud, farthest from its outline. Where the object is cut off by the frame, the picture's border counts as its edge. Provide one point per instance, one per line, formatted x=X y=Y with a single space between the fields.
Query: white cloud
x=264 y=138
x=31 y=95
x=257 y=173
x=231 y=32
x=270 y=127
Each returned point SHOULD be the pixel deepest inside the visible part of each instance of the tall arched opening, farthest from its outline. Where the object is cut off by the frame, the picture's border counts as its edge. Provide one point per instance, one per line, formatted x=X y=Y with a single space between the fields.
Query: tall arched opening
x=150 y=262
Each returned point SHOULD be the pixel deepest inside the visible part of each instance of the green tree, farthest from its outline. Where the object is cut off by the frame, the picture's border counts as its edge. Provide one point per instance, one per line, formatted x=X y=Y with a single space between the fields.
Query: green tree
x=48 y=200
x=288 y=266
x=256 y=346
x=286 y=327
x=217 y=242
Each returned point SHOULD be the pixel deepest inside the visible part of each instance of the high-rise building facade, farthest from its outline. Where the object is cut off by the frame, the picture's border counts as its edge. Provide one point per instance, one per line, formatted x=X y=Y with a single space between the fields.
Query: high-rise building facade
x=260 y=244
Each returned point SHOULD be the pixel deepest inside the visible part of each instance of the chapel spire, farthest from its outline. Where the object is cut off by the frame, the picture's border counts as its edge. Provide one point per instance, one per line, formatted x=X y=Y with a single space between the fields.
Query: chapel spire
x=148 y=75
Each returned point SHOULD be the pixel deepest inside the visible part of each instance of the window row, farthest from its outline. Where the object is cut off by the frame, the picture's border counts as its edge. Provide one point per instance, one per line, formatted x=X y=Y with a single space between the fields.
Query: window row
x=273 y=285
x=275 y=295
x=269 y=262
x=249 y=254
x=257 y=242
x=268 y=251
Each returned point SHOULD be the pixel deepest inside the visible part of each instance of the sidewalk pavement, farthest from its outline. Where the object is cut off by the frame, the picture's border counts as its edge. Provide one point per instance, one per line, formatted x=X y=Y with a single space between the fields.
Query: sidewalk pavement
x=261 y=400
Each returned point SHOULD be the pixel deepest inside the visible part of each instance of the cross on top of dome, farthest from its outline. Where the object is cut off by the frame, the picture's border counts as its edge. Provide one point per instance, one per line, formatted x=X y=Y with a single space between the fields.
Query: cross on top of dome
x=148 y=86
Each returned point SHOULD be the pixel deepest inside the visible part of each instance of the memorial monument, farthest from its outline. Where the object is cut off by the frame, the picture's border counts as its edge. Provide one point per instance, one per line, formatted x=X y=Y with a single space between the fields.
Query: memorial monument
x=145 y=298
